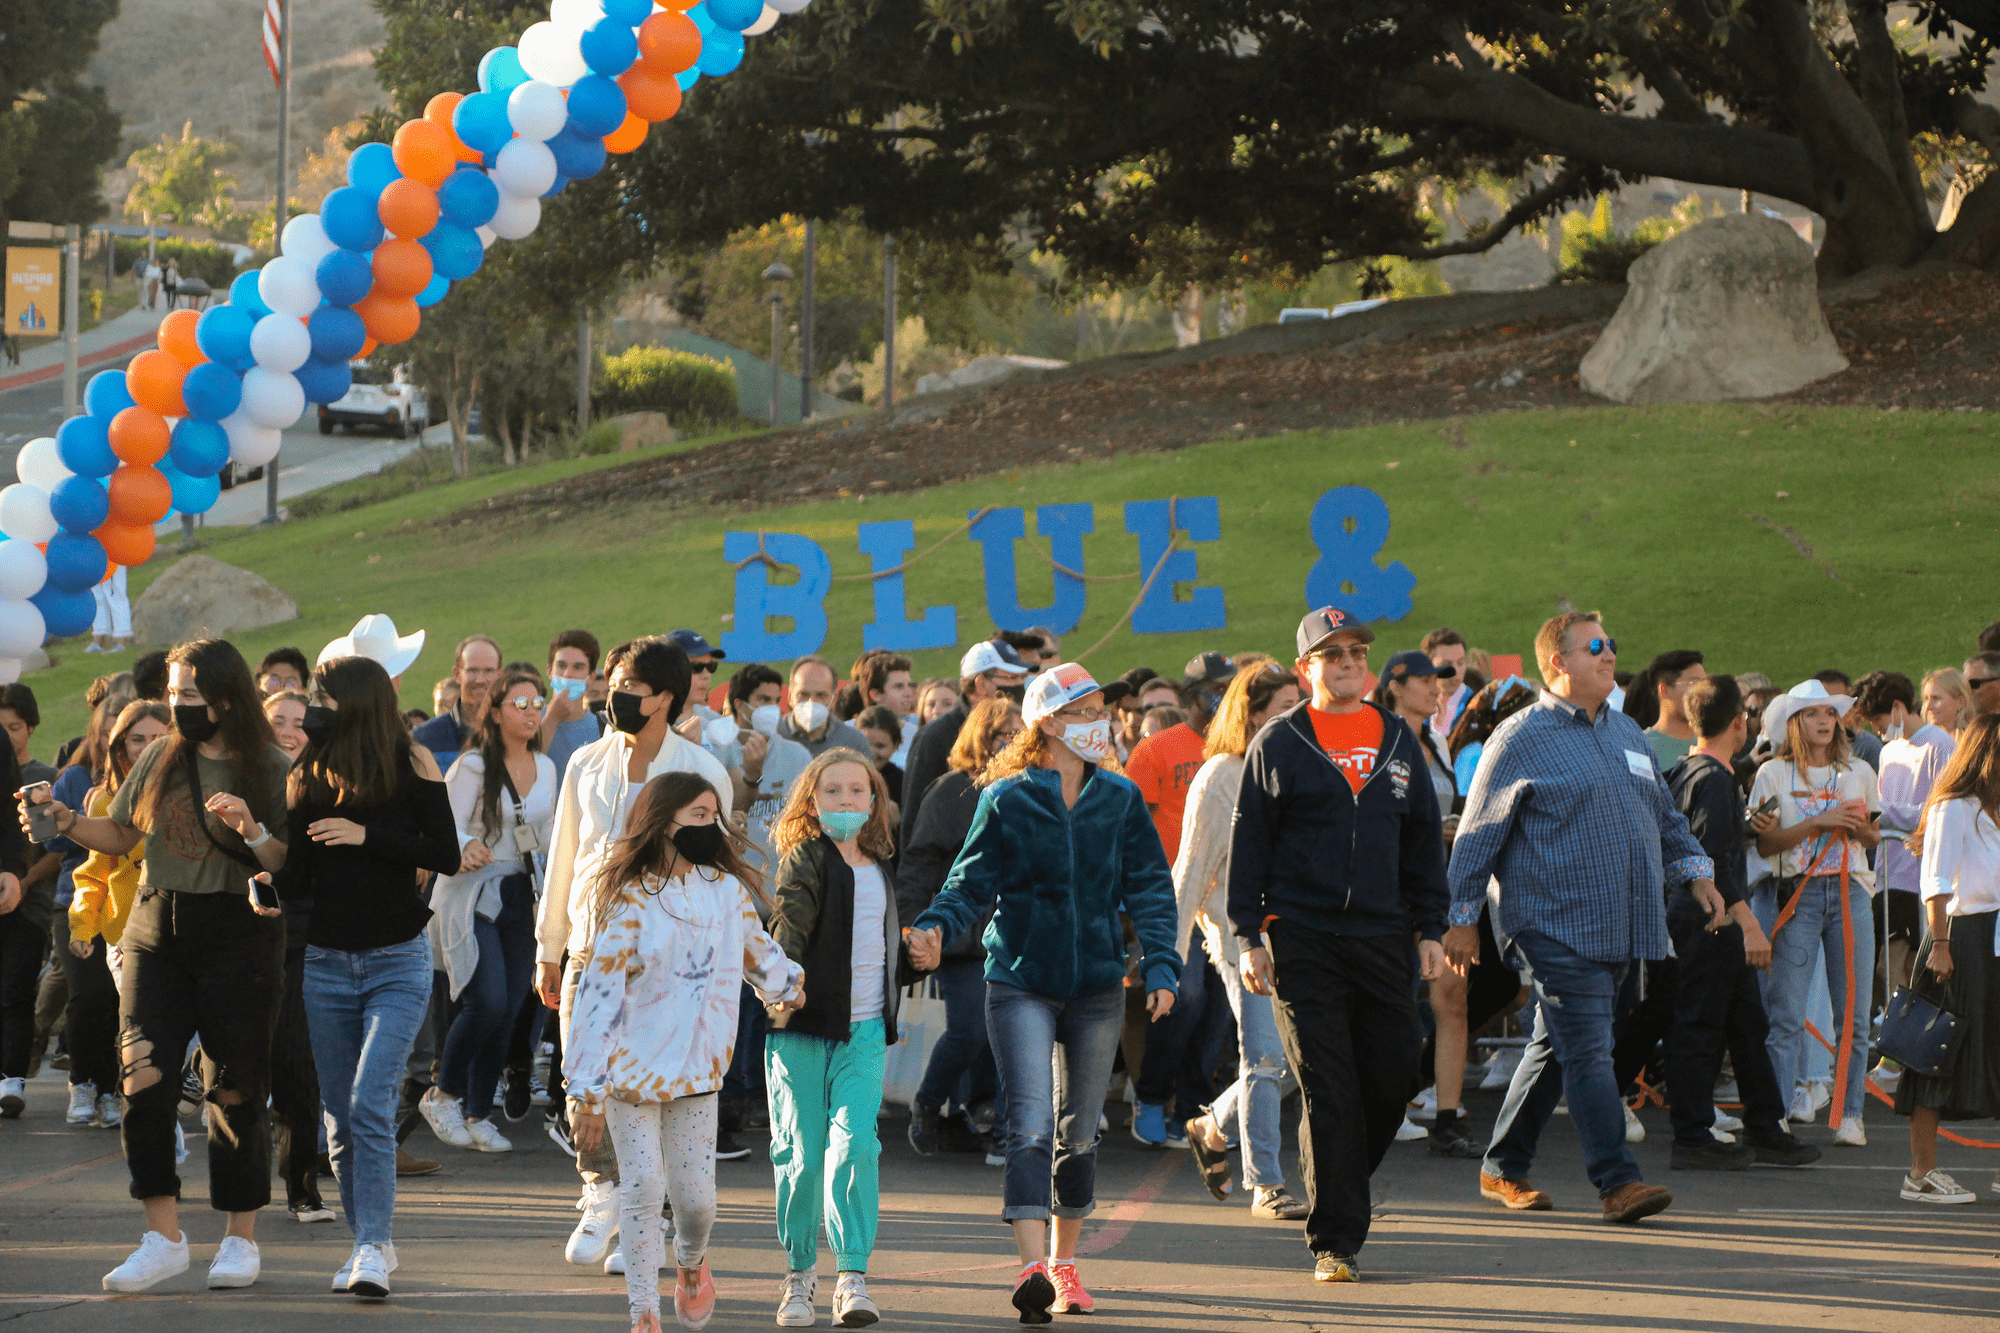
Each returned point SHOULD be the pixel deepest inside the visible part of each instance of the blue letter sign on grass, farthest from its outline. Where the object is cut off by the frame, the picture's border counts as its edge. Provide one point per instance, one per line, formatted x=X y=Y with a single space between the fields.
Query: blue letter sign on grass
x=758 y=599
x=1064 y=526
x=893 y=631
x=1159 y=613
x=1350 y=524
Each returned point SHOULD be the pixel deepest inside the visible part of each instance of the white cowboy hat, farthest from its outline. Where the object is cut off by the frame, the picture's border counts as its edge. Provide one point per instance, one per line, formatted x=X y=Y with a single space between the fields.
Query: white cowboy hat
x=375 y=638
x=1805 y=694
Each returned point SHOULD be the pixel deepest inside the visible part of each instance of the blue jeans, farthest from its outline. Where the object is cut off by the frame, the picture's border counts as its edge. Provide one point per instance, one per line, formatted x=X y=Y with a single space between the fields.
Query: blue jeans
x=364 y=1008
x=1055 y=1061
x=475 y=1050
x=963 y=1049
x=1570 y=1054
x=1813 y=935
x=1248 y=1110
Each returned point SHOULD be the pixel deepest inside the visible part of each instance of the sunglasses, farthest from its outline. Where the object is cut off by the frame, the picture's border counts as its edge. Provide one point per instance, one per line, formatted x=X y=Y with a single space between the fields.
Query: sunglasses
x=1599 y=647
x=1336 y=652
x=524 y=705
x=1981 y=682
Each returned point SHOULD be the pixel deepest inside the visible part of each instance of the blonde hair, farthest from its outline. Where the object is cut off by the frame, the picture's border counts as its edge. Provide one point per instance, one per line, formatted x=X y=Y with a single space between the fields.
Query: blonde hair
x=1250 y=691
x=1952 y=681
x=798 y=823
x=974 y=749
x=1793 y=747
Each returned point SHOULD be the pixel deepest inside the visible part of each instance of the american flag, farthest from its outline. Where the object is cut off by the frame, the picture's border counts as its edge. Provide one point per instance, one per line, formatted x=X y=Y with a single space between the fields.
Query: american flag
x=274 y=53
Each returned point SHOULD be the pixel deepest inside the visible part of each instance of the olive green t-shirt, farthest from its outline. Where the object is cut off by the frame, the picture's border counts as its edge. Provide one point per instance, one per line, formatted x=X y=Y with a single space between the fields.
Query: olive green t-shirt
x=179 y=856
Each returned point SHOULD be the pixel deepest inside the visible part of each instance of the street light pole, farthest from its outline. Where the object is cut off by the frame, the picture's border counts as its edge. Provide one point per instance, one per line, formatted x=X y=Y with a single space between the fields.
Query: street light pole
x=775 y=277
x=72 y=259
x=279 y=206
x=888 y=322
x=806 y=322
x=583 y=374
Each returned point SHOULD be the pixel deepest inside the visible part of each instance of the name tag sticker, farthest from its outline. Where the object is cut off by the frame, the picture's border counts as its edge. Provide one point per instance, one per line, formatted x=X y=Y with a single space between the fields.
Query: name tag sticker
x=1641 y=765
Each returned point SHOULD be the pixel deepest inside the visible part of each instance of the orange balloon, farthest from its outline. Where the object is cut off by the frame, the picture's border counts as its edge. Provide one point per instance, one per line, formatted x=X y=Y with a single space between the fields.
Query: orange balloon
x=650 y=94
x=438 y=112
x=140 y=494
x=425 y=152
x=627 y=136
x=154 y=380
x=177 y=338
x=368 y=345
x=140 y=435
x=669 y=43
x=128 y=543
x=408 y=208
x=388 y=319
x=402 y=268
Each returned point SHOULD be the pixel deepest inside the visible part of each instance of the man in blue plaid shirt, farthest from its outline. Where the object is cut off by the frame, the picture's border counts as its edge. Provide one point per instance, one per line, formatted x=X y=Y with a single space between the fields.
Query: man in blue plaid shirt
x=1569 y=813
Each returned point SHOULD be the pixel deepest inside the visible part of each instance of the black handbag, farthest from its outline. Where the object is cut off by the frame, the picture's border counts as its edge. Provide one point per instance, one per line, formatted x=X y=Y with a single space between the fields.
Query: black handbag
x=1920 y=1034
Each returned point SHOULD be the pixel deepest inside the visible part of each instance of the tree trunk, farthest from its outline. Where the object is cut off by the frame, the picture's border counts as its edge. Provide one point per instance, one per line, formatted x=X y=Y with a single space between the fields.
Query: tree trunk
x=505 y=429
x=1187 y=317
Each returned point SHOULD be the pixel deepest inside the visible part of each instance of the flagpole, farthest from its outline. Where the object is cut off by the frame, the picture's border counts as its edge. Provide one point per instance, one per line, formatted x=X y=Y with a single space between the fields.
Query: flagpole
x=279 y=208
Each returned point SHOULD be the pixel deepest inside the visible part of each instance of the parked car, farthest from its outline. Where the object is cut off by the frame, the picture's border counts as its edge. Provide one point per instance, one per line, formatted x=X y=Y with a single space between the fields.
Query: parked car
x=386 y=402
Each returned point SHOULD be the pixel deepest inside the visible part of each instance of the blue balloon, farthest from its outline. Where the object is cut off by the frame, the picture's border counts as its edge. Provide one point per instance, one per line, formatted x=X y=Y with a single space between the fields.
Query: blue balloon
x=223 y=334
x=326 y=380
x=350 y=221
x=198 y=448
x=76 y=559
x=631 y=13
x=500 y=69
x=433 y=293
x=455 y=251
x=243 y=294
x=372 y=168
x=194 y=495
x=468 y=198
x=480 y=121
x=85 y=446
x=106 y=395
x=610 y=47
x=557 y=188
x=596 y=106
x=337 y=335
x=79 y=504
x=68 y=613
x=345 y=276
x=734 y=15
x=688 y=77
x=578 y=156
x=211 y=391
x=702 y=19
x=721 y=52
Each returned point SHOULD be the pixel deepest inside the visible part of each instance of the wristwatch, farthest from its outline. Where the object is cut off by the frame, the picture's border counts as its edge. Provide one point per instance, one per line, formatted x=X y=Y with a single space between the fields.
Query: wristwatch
x=263 y=836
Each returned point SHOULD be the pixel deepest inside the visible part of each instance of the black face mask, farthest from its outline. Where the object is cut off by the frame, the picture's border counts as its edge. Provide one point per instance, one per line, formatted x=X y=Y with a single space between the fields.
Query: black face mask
x=318 y=722
x=699 y=844
x=625 y=714
x=193 y=723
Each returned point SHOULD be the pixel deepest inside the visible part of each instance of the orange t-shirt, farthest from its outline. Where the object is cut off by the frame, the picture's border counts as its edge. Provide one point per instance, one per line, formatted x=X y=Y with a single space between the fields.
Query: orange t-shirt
x=1352 y=740
x=1163 y=765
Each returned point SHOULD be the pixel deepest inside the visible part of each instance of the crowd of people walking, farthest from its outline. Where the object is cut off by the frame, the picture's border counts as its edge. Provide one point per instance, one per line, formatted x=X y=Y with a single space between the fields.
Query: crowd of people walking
x=657 y=899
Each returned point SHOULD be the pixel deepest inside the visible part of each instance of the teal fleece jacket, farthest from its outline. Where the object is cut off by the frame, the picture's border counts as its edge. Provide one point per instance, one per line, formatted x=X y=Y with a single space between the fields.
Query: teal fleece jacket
x=1057 y=879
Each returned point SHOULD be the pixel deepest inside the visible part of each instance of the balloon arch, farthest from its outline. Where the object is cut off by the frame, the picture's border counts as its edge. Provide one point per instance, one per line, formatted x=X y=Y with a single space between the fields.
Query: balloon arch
x=414 y=217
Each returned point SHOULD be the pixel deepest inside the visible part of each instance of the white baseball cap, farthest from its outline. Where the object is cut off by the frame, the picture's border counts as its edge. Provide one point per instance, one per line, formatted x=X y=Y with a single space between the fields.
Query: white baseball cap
x=374 y=637
x=1052 y=691
x=990 y=655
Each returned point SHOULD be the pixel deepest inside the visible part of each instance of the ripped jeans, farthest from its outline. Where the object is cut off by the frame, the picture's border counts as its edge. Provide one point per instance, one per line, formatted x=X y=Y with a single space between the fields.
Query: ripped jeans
x=200 y=963
x=1248 y=1110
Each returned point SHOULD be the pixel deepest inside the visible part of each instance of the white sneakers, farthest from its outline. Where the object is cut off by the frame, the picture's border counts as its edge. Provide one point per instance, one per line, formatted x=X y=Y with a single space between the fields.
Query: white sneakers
x=1850 y=1134
x=1937 y=1187
x=1410 y=1131
x=595 y=1230
x=236 y=1263
x=385 y=1255
x=1634 y=1131
x=156 y=1260
x=485 y=1137
x=446 y=1117
x=1807 y=1099
x=852 y=1306
x=369 y=1270
x=13 y=1097
x=108 y=1114
x=321 y=1213
x=82 y=1104
x=1727 y=1123
x=795 y=1299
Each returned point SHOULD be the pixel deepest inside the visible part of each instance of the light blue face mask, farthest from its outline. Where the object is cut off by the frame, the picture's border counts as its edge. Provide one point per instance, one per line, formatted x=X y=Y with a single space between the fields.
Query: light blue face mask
x=843 y=825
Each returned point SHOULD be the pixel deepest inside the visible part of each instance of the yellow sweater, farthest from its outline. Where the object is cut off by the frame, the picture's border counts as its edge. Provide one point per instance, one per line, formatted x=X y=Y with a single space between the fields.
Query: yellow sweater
x=105 y=885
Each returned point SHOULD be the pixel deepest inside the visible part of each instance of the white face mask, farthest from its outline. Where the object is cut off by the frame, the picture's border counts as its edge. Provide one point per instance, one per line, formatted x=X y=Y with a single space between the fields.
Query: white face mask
x=764 y=721
x=1090 y=741
x=1893 y=732
x=809 y=715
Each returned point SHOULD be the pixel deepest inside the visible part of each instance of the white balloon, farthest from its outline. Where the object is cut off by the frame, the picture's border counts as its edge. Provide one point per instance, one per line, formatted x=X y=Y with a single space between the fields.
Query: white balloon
x=525 y=168
x=305 y=239
x=578 y=14
x=288 y=287
x=281 y=343
x=537 y=110
x=23 y=568
x=22 y=628
x=272 y=398
x=553 y=53
x=765 y=22
x=788 y=6
x=486 y=236
x=24 y=514
x=517 y=217
x=10 y=670
x=40 y=464
x=250 y=444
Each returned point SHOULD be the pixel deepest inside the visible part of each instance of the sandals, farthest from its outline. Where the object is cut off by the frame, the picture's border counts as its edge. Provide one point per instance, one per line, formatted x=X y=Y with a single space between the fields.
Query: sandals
x=1279 y=1205
x=1213 y=1165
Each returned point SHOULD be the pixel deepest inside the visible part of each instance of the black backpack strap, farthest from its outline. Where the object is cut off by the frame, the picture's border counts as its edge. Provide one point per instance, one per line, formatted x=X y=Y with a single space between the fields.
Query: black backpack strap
x=244 y=856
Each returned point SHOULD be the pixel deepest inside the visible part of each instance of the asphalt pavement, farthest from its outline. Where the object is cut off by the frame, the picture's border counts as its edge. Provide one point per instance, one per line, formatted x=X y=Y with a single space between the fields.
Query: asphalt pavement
x=480 y=1244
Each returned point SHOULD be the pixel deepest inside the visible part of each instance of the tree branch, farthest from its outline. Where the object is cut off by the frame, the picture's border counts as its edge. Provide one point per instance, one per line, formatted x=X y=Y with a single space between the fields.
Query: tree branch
x=1881 y=92
x=1560 y=189
x=1677 y=102
x=1982 y=16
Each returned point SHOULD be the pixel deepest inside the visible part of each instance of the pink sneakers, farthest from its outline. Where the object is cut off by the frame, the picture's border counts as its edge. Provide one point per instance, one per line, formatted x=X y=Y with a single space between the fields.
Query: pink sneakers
x=1034 y=1294
x=695 y=1308
x=1071 y=1298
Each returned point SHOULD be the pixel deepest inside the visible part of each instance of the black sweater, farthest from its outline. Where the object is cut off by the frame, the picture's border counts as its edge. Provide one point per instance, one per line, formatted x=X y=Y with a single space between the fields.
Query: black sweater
x=367 y=897
x=1706 y=792
x=927 y=858
x=930 y=759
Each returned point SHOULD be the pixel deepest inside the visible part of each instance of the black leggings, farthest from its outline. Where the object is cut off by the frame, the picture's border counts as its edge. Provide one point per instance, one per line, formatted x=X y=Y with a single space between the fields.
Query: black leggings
x=23 y=947
x=295 y=1091
x=90 y=1024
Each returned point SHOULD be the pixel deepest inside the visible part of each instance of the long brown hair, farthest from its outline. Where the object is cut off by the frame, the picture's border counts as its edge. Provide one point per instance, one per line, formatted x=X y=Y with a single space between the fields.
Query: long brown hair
x=798 y=823
x=242 y=730
x=104 y=715
x=647 y=848
x=979 y=739
x=492 y=750
x=363 y=756
x=1488 y=709
x=1973 y=771
x=1250 y=692
x=117 y=764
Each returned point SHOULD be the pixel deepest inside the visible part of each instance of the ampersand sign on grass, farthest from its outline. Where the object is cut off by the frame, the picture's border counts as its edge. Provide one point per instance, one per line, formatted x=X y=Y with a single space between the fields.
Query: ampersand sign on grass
x=1350 y=525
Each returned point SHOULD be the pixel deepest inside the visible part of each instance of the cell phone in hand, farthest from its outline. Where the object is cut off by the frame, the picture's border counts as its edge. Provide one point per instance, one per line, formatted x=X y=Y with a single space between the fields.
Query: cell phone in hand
x=41 y=818
x=266 y=893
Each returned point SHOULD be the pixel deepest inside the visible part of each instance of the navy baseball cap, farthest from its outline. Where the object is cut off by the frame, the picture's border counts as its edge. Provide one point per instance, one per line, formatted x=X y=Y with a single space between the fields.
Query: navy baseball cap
x=694 y=645
x=1323 y=624
x=1209 y=669
x=1411 y=663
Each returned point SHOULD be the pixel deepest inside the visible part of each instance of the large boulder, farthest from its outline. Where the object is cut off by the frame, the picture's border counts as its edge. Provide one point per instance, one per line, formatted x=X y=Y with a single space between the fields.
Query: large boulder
x=199 y=597
x=1728 y=309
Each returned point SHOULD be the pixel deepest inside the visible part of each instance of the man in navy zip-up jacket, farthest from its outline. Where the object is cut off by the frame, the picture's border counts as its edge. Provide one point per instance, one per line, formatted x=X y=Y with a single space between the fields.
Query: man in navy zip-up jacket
x=1338 y=858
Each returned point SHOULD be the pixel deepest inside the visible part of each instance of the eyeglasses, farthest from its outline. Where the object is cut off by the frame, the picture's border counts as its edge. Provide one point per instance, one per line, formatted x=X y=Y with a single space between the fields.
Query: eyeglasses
x=1049 y=654
x=524 y=705
x=1336 y=652
x=1599 y=647
x=1088 y=714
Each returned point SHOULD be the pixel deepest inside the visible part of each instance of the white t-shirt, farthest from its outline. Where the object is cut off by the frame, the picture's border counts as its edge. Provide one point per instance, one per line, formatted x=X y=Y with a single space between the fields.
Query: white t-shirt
x=1805 y=792
x=783 y=762
x=870 y=953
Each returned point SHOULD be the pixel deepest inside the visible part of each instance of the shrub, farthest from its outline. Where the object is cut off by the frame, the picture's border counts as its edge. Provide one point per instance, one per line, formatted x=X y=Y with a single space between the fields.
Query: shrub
x=690 y=389
x=213 y=264
x=1594 y=251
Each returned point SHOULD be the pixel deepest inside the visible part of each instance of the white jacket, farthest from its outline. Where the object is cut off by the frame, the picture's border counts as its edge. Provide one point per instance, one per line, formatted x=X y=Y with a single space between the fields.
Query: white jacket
x=455 y=899
x=1201 y=870
x=655 y=1012
x=590 y=818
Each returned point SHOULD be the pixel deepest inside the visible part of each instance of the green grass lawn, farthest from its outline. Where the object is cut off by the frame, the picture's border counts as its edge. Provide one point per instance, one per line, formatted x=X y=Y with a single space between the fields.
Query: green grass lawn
x=1667 y=520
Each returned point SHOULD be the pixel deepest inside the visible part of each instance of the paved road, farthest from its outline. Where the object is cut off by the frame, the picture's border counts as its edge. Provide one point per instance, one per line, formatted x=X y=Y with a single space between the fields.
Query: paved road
x=481 y=1247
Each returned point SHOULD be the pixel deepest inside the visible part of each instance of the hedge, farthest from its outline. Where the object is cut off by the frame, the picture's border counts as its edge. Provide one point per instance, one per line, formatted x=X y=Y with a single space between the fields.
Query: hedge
x=690 y=389
x=213 y=264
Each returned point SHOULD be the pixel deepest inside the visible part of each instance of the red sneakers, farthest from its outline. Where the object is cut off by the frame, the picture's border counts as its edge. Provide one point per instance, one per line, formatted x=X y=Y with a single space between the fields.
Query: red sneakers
x=695 y=1308
x=1034 y=1294
x=1071 y=1298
